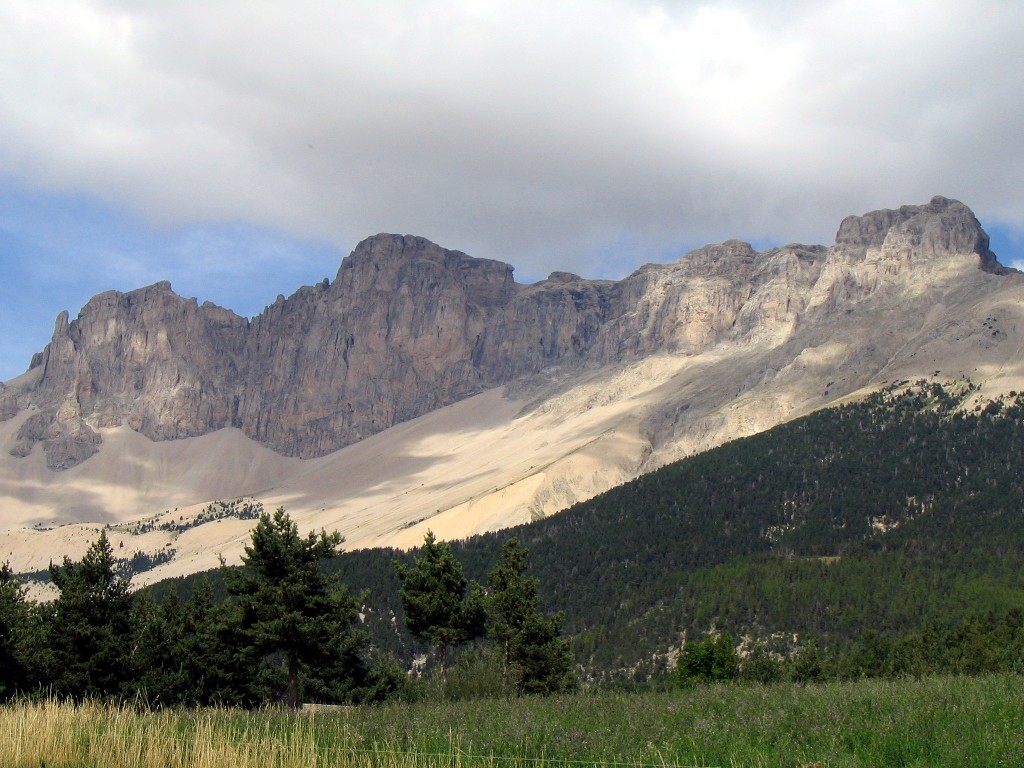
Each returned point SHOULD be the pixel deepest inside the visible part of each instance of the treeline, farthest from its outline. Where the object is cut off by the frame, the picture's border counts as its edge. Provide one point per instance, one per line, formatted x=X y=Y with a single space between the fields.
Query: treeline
x=286 y=631
x=886 y=530
x=981 y=644
x=98 y=640
x=884 y=515
x=889 y=515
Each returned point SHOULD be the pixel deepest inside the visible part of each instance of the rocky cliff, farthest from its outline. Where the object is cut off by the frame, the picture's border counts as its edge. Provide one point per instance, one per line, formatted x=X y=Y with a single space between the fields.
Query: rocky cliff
x=407 y=327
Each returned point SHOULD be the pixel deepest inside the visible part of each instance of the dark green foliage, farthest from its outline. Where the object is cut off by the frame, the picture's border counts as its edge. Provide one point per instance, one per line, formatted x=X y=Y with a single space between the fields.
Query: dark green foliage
x=294 y=616
x=535 y=655
x=760 y=666
x=880 y=538
x=191 y=653
x=712 y=660
x=161 y=669
x=238 y=509
x=892 y=514
x=88 y=627
x=14 y=626
x=808 y=665
x=385 y=681
x=441 y=607
x=480 y=673
x=883 y=514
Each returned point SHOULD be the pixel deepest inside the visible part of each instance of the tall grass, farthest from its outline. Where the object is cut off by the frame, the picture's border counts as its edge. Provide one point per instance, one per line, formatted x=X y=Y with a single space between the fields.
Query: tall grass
x=56 y=735
x=934 y=722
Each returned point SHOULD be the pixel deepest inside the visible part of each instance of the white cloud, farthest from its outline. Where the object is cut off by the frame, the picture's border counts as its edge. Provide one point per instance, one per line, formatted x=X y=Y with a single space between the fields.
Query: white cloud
x=533 y=132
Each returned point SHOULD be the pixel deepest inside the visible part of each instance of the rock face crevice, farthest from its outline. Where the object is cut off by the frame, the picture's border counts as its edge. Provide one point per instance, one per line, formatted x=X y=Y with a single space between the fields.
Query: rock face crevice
x=407 y=327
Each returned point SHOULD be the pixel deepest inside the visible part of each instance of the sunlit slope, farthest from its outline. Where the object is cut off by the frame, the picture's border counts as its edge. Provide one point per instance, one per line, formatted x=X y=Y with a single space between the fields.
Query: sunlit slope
x=520 y=452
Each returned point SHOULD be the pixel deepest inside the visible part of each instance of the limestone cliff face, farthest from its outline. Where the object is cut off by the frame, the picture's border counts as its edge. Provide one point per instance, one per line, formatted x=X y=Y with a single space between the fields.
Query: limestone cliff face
x=408 y=326
x=397 y=334
x=941 y=227
x=149 y=358
x=161 y=364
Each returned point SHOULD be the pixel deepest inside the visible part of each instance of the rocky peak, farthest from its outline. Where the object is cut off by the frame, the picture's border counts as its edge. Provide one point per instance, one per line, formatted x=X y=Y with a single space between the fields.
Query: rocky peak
x=941 y=227
x=408 y=326
x=563 y=277
x=727 y=255
x=388 y=262
x=8 y=403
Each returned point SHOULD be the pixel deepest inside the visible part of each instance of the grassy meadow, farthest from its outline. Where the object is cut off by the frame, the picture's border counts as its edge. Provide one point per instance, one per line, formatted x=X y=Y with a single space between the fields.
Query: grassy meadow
x=949 y=721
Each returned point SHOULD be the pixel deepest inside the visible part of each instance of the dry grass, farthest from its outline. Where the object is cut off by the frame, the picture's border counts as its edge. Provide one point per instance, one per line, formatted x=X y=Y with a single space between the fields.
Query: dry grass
x=56 y=735
x=93 y=735
x=954 y=722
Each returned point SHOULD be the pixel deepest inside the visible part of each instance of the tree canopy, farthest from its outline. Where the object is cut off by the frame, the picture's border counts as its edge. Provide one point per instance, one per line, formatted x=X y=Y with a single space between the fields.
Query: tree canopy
x=89 y=625
x=441 y=607
x=289 y=606
x=536 y=655
x=14 y=619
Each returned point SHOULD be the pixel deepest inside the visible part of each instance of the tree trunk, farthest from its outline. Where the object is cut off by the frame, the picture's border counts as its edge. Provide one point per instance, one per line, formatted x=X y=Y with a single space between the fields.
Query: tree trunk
x=293 y=682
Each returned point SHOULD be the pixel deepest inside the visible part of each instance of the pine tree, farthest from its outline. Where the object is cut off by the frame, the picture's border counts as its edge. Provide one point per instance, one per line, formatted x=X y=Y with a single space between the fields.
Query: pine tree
x=441 y=608
x=158 y=656
x=89 y=625
x=14 y=621
x=220 y=659
x=288 y=606
x=536 y=655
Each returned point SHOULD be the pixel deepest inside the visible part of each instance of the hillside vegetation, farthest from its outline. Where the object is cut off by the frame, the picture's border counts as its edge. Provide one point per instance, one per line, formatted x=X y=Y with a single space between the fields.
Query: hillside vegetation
x=885 y=528
x=882 y=538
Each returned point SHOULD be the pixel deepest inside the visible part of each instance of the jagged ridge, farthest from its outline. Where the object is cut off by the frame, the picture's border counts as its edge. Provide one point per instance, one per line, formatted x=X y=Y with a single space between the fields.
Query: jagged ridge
x=407 y=327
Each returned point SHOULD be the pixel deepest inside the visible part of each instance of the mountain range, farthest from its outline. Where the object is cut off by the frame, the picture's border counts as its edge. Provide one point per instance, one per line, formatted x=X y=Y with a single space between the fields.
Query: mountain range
x=426 y=389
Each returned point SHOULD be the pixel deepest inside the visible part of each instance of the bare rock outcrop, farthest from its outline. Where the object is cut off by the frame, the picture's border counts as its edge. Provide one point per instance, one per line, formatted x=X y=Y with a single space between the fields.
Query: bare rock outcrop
x=149 y=358
x=8 y=403
x=407 y=327
x=942 y=227
x=397 y=334
x=67 y=441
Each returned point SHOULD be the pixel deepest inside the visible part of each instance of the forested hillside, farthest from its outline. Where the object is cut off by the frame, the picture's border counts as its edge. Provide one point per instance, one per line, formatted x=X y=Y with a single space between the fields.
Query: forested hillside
x=887 y=516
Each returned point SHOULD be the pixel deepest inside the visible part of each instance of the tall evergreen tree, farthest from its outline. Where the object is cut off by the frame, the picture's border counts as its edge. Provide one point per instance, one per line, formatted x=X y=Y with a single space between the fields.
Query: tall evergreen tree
x=288 y=605
x=159 y=663
x=195 y=653
x=220 y=660
x=535 y=653
x=441 y=607
x=14 y=622
x=89 y=625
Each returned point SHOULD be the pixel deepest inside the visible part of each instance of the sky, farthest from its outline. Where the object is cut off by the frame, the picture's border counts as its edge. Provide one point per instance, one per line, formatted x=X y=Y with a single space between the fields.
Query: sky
x=241 y=148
